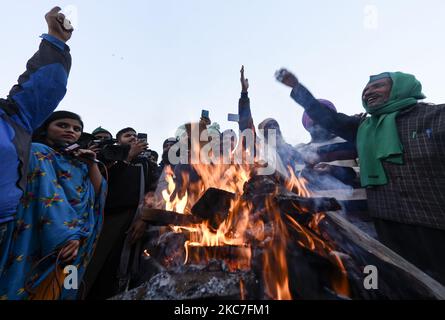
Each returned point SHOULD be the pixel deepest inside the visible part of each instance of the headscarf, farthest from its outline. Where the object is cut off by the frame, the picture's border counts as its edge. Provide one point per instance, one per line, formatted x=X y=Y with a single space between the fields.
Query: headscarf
x=378 y=139
x=308 y=122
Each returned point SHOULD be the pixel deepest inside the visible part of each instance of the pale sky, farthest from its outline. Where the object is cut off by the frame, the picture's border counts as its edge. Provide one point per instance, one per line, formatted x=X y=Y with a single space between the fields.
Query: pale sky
x=154 y=65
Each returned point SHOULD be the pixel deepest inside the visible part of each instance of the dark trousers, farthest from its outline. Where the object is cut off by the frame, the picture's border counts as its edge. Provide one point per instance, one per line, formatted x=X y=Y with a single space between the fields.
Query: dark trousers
x=422 y=246
x=6 y=233
x=100 y=278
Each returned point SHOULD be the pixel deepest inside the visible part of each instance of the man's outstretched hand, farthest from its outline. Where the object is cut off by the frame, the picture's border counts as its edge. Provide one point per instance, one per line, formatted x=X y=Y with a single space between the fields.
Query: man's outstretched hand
x=287 y=78
x=55 y=21
x=244 y=81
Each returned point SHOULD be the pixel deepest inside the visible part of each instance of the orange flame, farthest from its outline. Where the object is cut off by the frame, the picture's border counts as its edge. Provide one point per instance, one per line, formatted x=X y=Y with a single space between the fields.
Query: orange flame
x=297 y=185
x=240 y=226
x=274 y=259
x=177 y=204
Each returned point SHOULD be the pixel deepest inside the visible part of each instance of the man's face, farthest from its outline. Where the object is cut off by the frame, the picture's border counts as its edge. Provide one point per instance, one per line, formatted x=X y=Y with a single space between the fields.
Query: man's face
x=168 y=145
x=103 y=136
x=273 y=126
x=129 y=137
x=166 y=149
x=377 y=93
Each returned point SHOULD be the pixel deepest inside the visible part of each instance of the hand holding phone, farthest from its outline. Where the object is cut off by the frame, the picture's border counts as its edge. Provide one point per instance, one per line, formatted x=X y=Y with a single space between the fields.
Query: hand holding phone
x=65 y=24
x=233 y=117
x=142 y=137
x=58 y=25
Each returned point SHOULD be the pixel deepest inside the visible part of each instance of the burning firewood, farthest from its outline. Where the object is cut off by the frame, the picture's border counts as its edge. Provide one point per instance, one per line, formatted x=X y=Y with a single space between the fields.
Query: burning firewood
x=289 y=202
x=236 y=257
x=261 y=186
x=332 y=247
x=272 y=241
x=214 y=206
x=165 y=218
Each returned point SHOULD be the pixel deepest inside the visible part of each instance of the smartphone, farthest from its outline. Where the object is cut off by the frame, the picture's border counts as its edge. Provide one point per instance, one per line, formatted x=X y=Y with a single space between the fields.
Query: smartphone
x=233 y=117
x=65 y=24
x=71 y=148
x=142 y=137
x=205 y=114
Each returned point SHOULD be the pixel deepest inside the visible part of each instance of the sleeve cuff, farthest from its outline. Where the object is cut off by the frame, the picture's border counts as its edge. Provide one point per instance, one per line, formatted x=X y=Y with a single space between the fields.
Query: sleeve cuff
x=57 y=42
x=244 y=95
x=294 y=93
x=302 y=96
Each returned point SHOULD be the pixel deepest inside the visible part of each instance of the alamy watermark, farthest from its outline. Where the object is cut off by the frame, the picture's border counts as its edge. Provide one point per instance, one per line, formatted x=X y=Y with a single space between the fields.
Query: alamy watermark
x=71 y=281
x=371 y=281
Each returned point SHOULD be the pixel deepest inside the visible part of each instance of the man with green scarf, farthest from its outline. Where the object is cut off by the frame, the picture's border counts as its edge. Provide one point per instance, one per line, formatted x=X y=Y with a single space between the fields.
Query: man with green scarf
x=401 y=149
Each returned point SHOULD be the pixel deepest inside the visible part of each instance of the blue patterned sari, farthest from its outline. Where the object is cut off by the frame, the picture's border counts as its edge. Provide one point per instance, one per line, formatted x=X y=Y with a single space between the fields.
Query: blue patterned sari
x=59 y=205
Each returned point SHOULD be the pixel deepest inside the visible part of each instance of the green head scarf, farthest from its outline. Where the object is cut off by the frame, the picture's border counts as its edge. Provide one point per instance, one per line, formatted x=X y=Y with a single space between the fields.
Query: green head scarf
x=101 y=130
x=378 y=138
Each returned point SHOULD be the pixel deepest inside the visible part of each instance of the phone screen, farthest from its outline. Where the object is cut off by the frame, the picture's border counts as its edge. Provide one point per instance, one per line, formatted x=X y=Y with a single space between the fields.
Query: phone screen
x=233 y=117
x=142 y=137
x=205 y=113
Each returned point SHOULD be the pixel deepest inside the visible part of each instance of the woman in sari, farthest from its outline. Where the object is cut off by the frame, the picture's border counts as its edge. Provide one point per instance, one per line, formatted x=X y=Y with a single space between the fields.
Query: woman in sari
x=59 y=218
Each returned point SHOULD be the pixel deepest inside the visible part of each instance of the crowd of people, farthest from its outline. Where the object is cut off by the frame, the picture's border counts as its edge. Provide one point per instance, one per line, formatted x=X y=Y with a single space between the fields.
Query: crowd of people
x=72 y=198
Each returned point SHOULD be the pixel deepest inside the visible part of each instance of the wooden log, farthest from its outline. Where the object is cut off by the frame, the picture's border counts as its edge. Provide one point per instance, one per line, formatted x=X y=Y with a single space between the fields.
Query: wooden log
x=213 y=206
x=398 y=278
x=164 y=218
x=290 y=201
x=235 y=257
x=259 y=187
